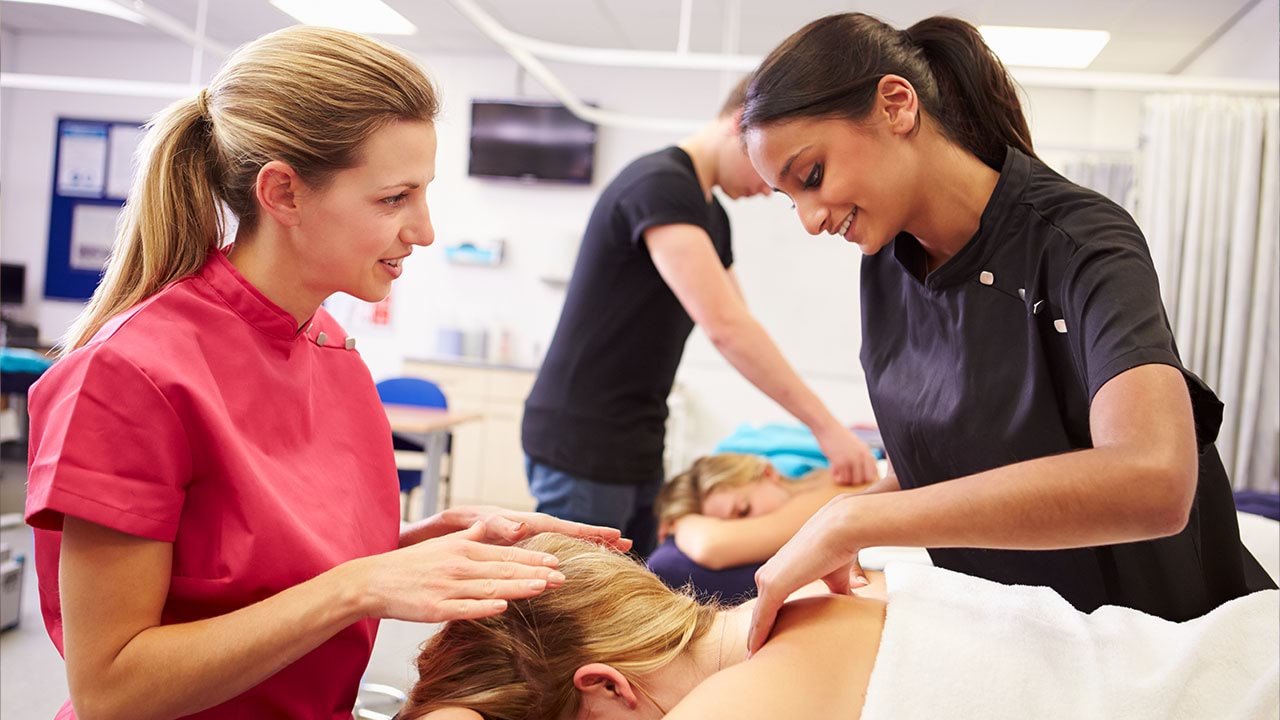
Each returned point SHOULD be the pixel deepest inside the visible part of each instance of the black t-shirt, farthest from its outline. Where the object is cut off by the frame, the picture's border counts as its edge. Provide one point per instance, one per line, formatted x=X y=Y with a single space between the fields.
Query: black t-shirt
x=995 y=357
x=598 y=409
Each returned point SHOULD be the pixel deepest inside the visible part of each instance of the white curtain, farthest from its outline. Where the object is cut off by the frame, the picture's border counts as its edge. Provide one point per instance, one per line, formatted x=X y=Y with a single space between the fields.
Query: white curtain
x=1112 y=174
x=1207 y=193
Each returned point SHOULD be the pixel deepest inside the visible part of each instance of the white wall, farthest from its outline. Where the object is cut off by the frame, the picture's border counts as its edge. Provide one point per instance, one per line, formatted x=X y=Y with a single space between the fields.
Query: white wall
x=804 y=289
x=30 y=125
x=1250 y=49
x=6 y=62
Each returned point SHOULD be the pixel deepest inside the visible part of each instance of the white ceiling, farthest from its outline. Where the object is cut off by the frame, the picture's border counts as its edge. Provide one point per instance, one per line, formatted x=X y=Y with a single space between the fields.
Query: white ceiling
x=1147 y=36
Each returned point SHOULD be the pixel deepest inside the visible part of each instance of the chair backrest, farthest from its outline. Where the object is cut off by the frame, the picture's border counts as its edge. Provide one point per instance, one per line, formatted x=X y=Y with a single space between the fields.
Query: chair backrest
x=411 y=391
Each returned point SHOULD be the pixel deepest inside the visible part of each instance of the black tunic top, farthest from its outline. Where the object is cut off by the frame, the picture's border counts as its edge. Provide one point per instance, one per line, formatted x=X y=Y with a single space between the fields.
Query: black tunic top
x=598 y=408
x=994 y=359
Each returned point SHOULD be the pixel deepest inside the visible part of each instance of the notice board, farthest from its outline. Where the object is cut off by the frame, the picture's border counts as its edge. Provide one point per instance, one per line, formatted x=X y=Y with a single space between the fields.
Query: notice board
x=92 y=172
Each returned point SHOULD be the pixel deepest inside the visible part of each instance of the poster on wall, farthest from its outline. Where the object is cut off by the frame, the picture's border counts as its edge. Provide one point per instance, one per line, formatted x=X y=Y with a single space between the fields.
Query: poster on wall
x=122 y=149
x=93 y=231
x=93 y=169
x=82 y=159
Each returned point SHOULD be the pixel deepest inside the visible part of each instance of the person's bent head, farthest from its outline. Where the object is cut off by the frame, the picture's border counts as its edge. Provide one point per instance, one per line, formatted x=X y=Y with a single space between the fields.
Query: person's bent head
x=307 y=97
x=735 y=174
x=833 y=68
x=727 y=485
x=849 y=117
x=596 y=640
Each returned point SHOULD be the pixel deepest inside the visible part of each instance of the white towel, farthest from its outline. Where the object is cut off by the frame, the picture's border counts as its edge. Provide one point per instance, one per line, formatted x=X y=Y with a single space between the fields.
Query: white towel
x=960 y=647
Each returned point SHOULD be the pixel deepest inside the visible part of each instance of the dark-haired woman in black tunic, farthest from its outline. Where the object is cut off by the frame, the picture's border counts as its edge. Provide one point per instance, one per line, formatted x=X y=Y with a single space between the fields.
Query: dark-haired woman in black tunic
x=1024 y=376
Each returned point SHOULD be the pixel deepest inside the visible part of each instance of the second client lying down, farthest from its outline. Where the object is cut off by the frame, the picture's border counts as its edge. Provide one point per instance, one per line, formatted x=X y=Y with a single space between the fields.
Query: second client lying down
x=727 y=514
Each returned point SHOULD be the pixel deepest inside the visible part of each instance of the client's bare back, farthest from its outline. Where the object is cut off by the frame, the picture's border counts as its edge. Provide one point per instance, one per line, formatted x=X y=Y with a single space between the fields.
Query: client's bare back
x=817 y=664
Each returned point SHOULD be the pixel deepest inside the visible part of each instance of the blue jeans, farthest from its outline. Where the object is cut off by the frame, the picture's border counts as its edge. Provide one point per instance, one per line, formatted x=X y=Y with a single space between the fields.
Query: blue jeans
x=628 y=508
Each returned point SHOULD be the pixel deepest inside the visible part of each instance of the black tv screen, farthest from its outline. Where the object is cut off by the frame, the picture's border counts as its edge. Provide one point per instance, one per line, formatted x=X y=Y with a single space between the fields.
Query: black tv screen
x=13 y=283
x=530 y=141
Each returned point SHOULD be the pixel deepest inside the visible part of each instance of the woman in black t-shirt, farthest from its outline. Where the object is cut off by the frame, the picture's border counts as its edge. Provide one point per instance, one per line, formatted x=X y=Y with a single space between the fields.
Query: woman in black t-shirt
x=1014 y=341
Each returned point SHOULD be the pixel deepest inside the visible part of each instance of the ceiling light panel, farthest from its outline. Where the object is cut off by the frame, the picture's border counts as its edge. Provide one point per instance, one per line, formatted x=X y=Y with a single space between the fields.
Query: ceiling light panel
x=100 y=7
x=1044 y=47
x=363 y=16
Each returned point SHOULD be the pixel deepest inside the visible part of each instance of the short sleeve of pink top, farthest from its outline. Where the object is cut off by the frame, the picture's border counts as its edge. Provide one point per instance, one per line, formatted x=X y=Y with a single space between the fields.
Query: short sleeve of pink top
x=203 y=418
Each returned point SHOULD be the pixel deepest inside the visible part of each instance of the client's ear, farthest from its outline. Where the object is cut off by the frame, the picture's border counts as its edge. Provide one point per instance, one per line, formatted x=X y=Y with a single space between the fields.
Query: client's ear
x=601 y=684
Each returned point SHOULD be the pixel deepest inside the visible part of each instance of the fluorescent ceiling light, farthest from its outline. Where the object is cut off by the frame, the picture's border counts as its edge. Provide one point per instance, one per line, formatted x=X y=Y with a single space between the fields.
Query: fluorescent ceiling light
x=364 y=16
x=1045 y=47
x=101 y=7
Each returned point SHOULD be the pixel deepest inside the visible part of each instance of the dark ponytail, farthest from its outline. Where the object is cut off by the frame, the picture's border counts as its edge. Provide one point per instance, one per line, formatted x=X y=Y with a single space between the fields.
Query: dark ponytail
x=832 y=68
x=979 y=105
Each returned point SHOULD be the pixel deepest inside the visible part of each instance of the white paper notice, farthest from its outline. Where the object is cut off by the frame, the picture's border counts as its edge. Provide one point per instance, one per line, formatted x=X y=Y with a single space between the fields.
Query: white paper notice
x=123 y=142
x=82 y=159
x=93 y=230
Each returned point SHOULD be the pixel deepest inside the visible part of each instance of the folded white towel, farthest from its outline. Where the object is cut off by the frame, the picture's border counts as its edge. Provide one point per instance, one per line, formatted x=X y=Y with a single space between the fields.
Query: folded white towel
x=960 y=647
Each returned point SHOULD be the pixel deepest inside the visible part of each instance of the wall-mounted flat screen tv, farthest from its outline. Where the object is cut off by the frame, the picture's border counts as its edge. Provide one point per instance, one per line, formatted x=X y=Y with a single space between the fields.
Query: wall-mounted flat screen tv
x=535 y=141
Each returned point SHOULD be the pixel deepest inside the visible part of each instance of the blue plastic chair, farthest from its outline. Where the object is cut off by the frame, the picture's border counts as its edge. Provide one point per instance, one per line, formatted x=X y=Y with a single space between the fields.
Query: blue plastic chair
x=422 y=393
x=411 y=391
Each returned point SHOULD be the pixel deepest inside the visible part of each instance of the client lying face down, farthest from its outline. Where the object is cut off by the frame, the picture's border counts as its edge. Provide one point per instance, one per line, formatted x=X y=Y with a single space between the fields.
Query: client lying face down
x=617 y=643
x=732 y=509
x=614 y=643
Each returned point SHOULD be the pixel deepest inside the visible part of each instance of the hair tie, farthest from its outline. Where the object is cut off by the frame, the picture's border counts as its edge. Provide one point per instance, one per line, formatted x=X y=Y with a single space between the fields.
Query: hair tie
x=202 y=103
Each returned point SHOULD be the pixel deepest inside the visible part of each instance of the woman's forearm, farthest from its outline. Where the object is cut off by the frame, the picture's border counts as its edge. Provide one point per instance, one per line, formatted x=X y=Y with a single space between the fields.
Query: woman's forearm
x=1138 y=482
x=752 y=352
x=176 y=670
x=1098 y=496
x=122 y=663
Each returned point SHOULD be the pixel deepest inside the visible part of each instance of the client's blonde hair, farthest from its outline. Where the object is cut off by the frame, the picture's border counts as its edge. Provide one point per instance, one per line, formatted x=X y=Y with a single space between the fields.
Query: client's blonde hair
x=683 y=494
x=520 y=664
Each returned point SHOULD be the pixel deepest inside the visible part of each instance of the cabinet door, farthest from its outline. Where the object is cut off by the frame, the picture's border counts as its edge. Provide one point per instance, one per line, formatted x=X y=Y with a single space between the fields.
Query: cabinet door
x=504 y=481
x=459 y=384
x=467 y=457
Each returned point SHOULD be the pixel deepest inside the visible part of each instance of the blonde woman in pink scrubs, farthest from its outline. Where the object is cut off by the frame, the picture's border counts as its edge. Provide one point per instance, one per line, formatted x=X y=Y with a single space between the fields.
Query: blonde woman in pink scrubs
x=211 y=478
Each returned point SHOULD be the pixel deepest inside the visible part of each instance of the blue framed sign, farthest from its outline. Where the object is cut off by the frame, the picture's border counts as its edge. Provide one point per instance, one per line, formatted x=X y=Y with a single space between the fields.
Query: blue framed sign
x=92 y=171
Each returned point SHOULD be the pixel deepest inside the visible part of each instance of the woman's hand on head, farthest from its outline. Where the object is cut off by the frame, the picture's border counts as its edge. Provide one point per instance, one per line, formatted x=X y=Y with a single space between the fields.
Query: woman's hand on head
x=507 y=527
x=453 y=577
x=851 y=460
x=823 y=549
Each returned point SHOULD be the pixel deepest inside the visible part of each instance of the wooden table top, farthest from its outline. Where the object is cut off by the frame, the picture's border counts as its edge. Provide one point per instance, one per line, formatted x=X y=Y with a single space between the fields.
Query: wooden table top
x=423 y=420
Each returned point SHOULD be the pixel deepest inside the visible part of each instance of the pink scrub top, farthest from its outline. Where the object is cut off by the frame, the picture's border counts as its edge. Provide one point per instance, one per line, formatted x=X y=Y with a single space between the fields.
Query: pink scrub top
x=204 y=418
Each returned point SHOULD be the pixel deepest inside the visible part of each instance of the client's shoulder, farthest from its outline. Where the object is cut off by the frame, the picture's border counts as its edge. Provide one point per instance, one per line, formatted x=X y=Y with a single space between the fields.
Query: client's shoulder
x=816 y=664
x=810 y=623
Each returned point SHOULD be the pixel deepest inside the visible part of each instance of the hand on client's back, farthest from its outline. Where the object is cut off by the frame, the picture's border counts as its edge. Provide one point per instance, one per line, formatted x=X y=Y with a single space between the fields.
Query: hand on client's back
x=851 y=460
x=824 y=549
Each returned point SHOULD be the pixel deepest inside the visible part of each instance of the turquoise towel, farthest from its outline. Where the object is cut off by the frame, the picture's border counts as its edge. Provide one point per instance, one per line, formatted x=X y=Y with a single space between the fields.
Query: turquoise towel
x=792 y=449
x=22 y=360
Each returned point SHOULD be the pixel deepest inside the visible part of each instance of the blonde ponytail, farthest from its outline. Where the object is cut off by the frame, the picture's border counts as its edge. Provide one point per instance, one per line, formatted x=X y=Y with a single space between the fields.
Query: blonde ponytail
x=168 y=225
x=307 y=96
